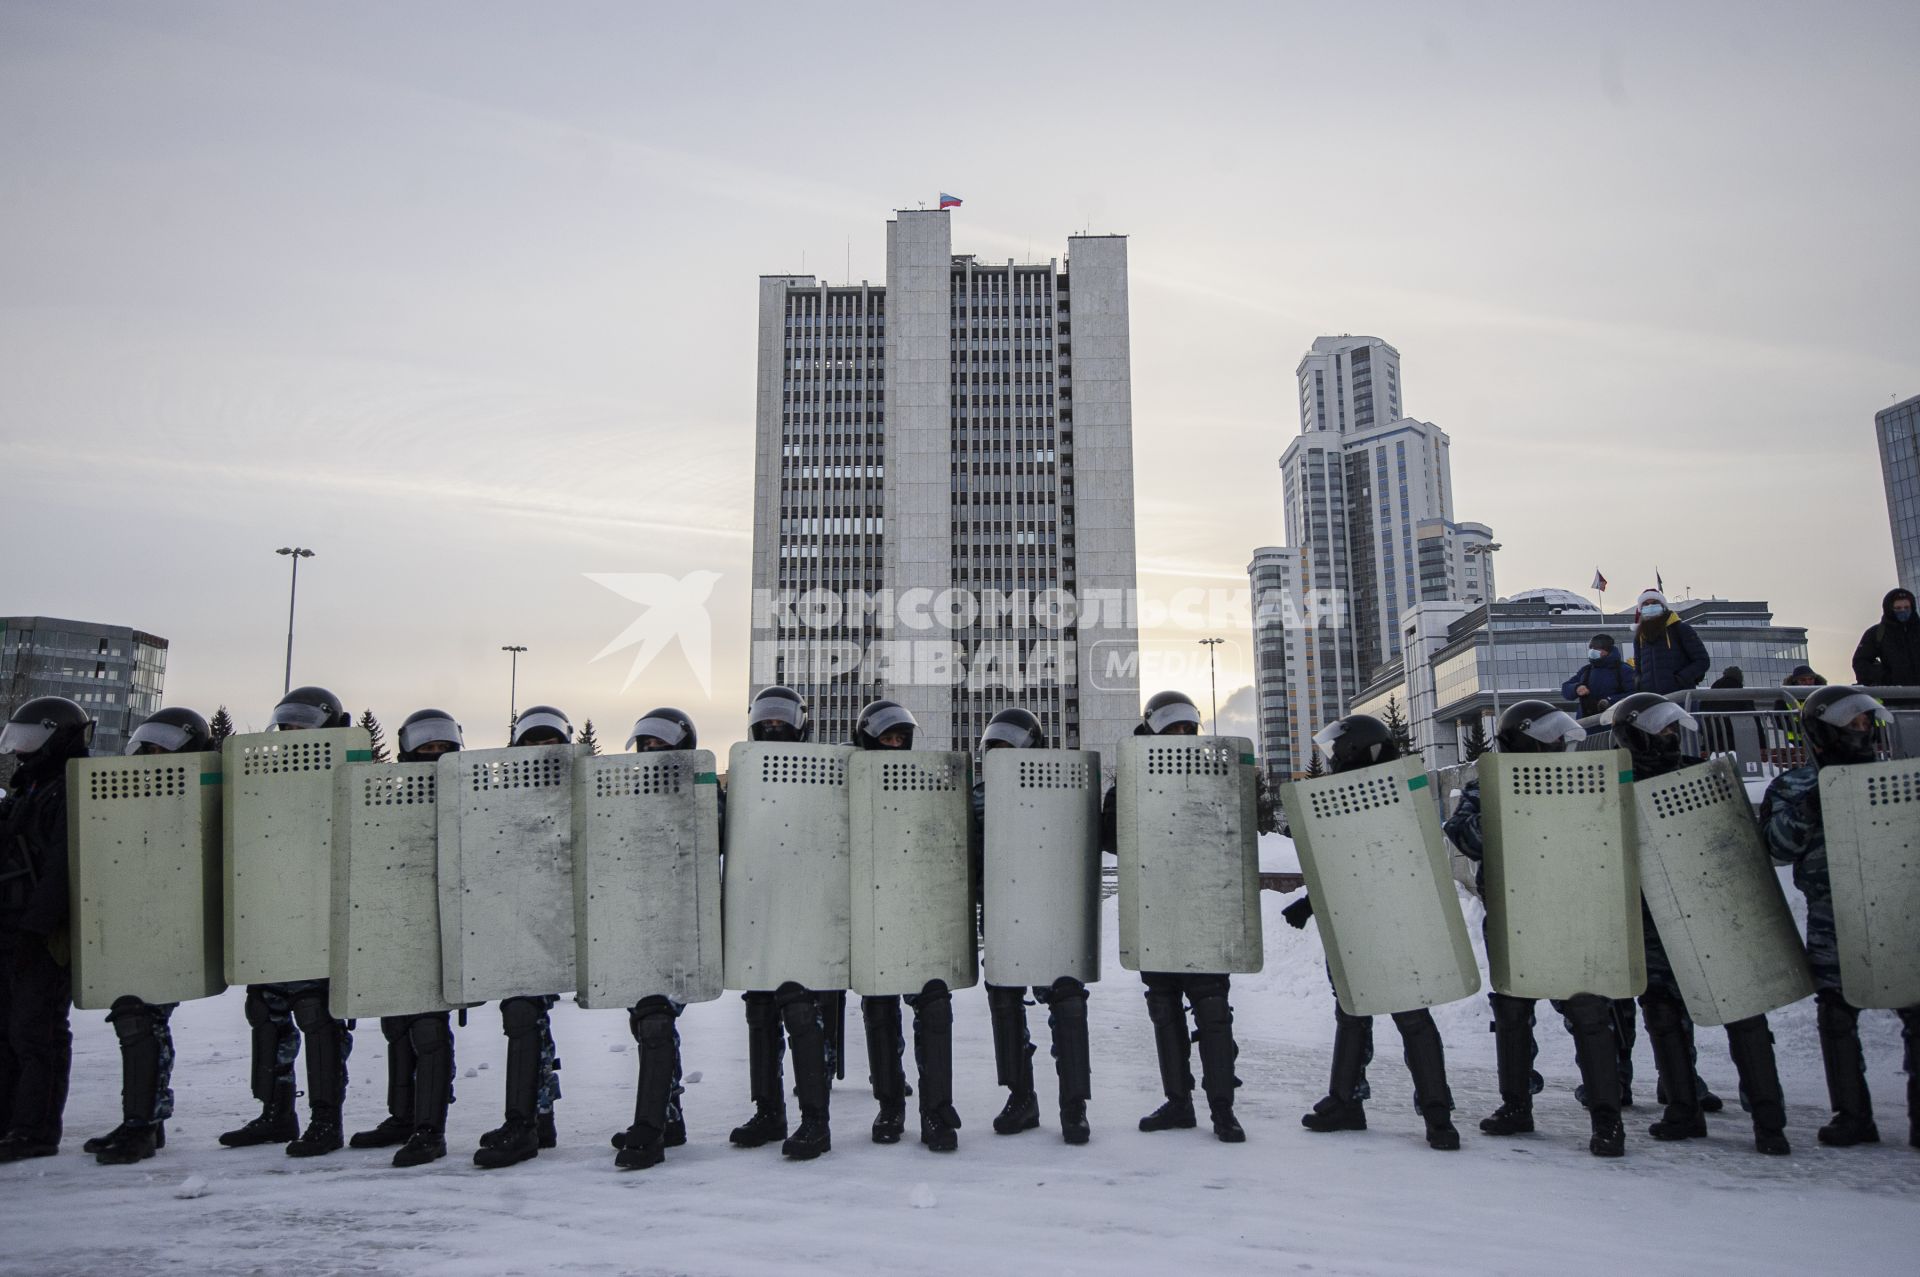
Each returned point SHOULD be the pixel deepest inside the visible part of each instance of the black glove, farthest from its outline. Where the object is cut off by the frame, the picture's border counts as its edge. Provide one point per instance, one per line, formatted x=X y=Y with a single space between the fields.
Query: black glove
x=1298 y=912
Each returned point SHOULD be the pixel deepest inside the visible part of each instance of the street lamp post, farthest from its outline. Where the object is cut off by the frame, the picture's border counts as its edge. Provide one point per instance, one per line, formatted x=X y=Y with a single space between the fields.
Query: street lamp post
x=513 y=681
x=1484 y=550
x=296 y=553
x=1213 y=684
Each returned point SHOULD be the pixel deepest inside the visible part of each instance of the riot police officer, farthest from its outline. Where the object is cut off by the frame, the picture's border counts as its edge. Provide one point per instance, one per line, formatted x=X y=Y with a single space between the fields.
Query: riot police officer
x=1349 y=744
x=1839 y=724
x=420 y=1046
x=1065 y=999
x=282 y=1013
x=806 y=1015
x=1648 y=726
x=888 y=725
x=1207 y=993
x=36 y=984
x=146 y=1038
x=1535 y=727
x=658 y=1123
x=533 y=1065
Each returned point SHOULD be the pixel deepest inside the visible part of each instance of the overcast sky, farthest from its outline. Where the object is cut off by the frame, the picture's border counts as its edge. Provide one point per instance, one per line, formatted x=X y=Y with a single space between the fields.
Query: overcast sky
x=462 y=296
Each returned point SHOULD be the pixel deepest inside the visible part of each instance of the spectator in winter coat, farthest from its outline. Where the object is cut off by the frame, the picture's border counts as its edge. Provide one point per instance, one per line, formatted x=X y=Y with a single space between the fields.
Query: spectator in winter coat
x=1804 y=676
x=1731 y=677
x=1667 y=655
x=1604 y=679
x=1889 y=653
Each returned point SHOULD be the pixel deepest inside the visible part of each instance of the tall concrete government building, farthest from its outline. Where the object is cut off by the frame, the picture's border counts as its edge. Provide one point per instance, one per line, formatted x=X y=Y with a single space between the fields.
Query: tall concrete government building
x=1898 y=431
x=1367 y=494
x=116 y=673
x=943 y=491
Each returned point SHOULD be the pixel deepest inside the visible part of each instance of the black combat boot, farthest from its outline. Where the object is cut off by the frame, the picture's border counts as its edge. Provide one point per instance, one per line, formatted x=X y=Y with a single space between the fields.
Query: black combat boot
x=397 y=1127
x=1072 y=1062
x=327 y=1047
x=1595 y=1048
x=519 y=1138
x=1174 y=1049
x=1513 y=1048
x=1213 y=1019
x=140 y=1131
x=812 y=1078
x=274 y=1044
x=278 y=1122
x=1667 y=1028
x=1846 y=1073
x=884 y=1068
x=1340 y=1110
x=764 y=1084
x=659 y=1063
x=933 y=1058
x=1750 y=1043
x=1427 y=1062
x=1013 y=1060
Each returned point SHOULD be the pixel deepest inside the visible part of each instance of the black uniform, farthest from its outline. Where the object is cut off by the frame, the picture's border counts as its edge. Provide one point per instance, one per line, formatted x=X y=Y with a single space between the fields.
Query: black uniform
x=36 y=985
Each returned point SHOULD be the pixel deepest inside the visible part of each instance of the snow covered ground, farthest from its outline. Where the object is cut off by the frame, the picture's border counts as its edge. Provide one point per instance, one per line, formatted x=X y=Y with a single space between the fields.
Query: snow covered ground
x=1374 y=1202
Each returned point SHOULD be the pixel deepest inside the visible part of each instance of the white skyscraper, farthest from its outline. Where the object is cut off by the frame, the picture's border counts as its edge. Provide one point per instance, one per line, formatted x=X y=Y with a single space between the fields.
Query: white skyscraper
x=943 y=500
x=1368 y=501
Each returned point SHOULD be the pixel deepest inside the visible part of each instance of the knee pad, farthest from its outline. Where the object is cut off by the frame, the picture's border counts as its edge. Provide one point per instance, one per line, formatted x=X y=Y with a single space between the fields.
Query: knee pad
x=788 y=994
x=1415 y=1025
x=1510 y=1012
x=1213 y=1011
x=258 y=1013
x=654 y=1029
x=310 y=1012
x=1005 y=996
x=1164 y=1007
x=429 y=1033
x=521 y=1016
x=1834 y=1013
x=1662 y=1010
x=131 y=1019
x=1066 y=987
x=1208 y=986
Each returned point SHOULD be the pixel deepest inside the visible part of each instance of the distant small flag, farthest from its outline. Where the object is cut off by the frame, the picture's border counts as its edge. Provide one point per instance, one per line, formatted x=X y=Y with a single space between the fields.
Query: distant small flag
x=1599 y=582
x=949 y=201
x=1658 y=584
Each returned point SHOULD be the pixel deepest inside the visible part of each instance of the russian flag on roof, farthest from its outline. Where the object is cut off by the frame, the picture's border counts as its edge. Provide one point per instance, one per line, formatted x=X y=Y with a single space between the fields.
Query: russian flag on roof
x=949 y=201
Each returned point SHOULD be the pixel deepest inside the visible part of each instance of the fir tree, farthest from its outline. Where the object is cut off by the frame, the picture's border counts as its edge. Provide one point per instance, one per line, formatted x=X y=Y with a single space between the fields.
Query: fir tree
x=377 y=736
x=221 y=726
x=1396 y=722
x=1476 y=742
x=1314 y=768
x=1264 y=819
x=588 y=739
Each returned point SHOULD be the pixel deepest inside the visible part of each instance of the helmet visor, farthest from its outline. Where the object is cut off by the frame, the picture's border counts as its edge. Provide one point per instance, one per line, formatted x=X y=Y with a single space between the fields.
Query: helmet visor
x=1656 y=719
x=1327 y=735
x=777 y=709
x=24 y=738
x=542 y=718
x=1167 y=715
x=414 y=735
x=1007 y=734
x=1557 y=728
x=666 y=729
x=1847 y=708
x=294 y=714
x=164 y=737
x=885 y=720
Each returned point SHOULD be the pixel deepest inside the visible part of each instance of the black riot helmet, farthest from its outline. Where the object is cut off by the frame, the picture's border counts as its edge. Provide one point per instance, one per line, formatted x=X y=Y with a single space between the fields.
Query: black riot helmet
x=309 y=709
x=1013 y=729
x=1535 y=727
x=779 y=714
x=1356 y=741
x=47 y=727
x=429 y=733
x=542 y=725
x=176 y=730
x=881 y=718
x=1648 y=725
x=1167 y=713
x=1832 y=717
x=667 y=725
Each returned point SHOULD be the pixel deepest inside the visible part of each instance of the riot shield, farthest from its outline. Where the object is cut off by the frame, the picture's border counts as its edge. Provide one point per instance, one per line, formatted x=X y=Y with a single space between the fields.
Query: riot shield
x=646 y=877
x=1189 y=859
x=506 y=872
x=1714 y=897
x=1381 y=882
x=1872 y=817
x=786 y=905
x=385 y=955
x=1042 y=865
x=143 y=849
x=911 y=871
x=278 y=822
x=1563 y=897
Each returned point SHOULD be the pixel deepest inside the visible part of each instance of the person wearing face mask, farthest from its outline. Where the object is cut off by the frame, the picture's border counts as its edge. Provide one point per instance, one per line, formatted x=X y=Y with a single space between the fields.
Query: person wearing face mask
x=1839 y=724
x=1667 y=655
x=420 y=1046
x=1649 y=727
x=1604 y=679
x=36 y=982
x=1889 y=652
